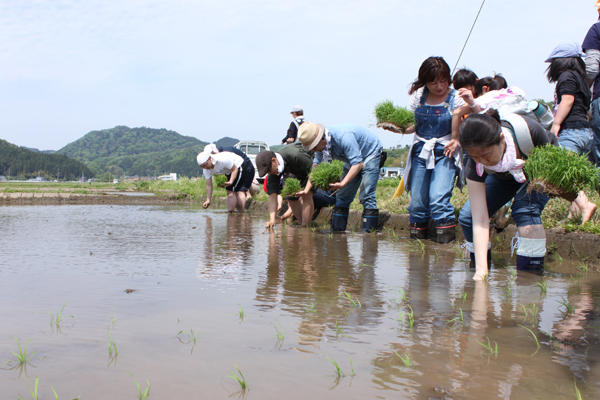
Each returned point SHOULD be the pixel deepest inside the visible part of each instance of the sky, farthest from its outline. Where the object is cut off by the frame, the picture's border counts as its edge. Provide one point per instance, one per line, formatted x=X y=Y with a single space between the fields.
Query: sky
x=215 y=68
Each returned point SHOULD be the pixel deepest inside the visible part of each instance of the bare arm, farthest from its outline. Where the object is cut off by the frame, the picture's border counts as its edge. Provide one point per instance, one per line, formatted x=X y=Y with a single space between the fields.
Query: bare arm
x=481 y=227
x=564 y=108
x=272 y=204
x=209 y=190
x=234 y=172
x=354 y=170
x=306 y=189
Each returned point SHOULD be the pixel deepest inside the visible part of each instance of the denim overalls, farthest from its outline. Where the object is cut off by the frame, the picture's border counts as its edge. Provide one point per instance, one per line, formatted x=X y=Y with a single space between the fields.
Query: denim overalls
x=431 y=189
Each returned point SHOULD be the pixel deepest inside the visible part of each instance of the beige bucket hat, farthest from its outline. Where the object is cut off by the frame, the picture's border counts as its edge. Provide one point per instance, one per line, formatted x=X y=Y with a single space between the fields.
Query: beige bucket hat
x=310 y=134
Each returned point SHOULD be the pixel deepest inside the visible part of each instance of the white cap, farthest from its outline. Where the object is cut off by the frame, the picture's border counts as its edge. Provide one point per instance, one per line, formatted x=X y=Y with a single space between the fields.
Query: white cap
x=296 y=108
x=211 y=148
x=202 y=157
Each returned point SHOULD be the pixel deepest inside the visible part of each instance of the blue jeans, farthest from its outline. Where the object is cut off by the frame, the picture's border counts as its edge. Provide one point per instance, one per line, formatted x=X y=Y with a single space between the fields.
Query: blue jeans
x=431 y=189
x=577 y=140
x=596 y=127
x=526 y=208
x=367 y=181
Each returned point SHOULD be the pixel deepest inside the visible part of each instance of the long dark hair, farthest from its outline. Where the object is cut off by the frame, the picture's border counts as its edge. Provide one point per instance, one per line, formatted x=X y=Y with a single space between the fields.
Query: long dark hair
x=480 y=130
x=430 y=70
x=559 y=65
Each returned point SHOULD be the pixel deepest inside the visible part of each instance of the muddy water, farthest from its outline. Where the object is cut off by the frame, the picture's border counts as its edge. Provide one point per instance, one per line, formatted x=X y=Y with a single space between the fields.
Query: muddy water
x=192 y=268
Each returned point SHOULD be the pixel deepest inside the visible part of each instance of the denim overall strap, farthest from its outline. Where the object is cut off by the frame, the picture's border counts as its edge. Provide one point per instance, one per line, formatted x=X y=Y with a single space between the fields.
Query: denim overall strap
x=434 y=121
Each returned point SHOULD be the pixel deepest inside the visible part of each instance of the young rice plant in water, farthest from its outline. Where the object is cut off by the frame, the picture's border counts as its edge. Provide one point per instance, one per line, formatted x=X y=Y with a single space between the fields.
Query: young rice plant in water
x=387 y=113
x=325 y=173
x=558 y=171
x=290 y=187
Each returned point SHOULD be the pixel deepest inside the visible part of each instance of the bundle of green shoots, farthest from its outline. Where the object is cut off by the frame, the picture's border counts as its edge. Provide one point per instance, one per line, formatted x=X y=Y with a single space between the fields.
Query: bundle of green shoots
x=325 y=173
x=393 y=118
x=290 y=187
x=558 y=172
x=220 y=180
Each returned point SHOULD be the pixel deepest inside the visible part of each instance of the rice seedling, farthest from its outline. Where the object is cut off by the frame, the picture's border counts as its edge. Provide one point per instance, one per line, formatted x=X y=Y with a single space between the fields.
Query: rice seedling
x=241 y=312
x=577 y=283
x=390 y=116
x=191 y=335
x=417 y=245
x=401 y=296
x=411 y=317
x=338 y=371
x=512 y=271
x=239 y=379
x=220 y=180
x=142 y=395
x=310 y=308
x=491 y=349
x=543 y=285
x=558 y=172
x=405 y=359
x=583 y=267
x=56 y=319
x=352 y=373
x=290 y=187
x=577 y=392
x=113 y=319
x=22 y=357
x=569 y=309
x=279 y=331
x=558 y=257
x=56 y=395
x=34 y=391
x=463 y=296
x=354 y=302
x=532 y=334
x=461 y=318
x=112 y=346
x=507 y=290
x=340 y=330
x=326 y=173
x=534 y=310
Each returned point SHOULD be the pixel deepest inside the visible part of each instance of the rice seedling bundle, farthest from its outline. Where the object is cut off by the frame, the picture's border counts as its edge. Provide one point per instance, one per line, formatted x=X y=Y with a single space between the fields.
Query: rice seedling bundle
x=290 y=187
x=393 y=118
x=325 y=173
x=220 y=180
x=558 y=172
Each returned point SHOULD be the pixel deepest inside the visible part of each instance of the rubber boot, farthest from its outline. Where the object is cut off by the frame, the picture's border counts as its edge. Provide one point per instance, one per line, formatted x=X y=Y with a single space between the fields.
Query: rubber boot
x=472 y=259
x=419 y=231
x=339 y=219
x=445 y=234
x=525 y=263
x=370 y=219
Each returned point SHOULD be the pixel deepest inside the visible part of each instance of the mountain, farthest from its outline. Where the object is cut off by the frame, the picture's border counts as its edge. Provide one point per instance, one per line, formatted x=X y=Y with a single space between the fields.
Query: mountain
x=226 y=141
x=37 y=150
x=25 y=163
x=139 y=151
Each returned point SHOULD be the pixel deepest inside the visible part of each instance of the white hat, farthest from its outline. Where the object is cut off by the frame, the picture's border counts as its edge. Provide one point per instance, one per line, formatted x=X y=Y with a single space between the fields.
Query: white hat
x=211 y=148
x=203 y=157
x=296 y=109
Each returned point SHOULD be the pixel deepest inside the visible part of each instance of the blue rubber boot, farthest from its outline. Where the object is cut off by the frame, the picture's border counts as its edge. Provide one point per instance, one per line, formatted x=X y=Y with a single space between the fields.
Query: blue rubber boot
x=370 y=219
x=339 y=219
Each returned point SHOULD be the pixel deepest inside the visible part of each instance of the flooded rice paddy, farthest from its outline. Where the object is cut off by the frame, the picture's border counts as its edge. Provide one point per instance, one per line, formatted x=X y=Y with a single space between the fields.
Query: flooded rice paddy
x=401 y=322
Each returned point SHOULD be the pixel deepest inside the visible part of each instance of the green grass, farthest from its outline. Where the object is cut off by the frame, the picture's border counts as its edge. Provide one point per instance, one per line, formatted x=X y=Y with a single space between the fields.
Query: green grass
x=22 y=357
x=239 y=379
x=142 y=395
x=291 y=186
x=405 y=359
x=338 y=371
x=561 y=168
x=56 y=319
x=386 y=111
x=325 y=173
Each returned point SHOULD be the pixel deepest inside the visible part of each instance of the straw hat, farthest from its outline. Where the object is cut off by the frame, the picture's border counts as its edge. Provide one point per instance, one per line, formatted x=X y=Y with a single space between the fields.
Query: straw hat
x=310 y=134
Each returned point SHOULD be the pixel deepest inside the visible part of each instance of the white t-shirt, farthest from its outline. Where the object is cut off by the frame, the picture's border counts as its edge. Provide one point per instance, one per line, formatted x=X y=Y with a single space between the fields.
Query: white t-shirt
x=415 y=101
x=224 y=163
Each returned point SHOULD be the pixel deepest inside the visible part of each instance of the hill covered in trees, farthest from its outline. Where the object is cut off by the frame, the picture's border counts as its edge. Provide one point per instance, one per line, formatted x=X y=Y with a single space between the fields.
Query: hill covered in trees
x=24 y=164
x=137 y=151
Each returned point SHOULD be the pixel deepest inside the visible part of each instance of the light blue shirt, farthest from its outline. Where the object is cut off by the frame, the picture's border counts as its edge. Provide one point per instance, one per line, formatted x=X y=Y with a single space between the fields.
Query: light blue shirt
x=352 y=144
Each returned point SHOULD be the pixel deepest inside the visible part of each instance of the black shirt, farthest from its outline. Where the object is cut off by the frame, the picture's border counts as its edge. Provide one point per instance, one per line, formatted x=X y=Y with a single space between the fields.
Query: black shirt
x=292 y=132
x=571 y=83
x=539 y=137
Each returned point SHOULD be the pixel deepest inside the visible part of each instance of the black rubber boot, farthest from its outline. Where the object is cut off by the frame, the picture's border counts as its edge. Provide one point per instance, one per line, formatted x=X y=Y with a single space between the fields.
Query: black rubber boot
x=419 y=231
x=370 y=219
x=445 y=234
x=339 y=219
x=472 y=259
x=525 y=263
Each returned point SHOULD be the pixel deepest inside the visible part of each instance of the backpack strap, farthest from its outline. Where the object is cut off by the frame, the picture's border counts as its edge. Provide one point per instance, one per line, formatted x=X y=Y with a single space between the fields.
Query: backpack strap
x=520 y=131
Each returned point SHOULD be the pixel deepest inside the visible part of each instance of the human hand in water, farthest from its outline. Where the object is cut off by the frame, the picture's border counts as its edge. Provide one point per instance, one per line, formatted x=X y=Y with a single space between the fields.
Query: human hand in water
x=467 y=96
x=269 y=225
x=451 y=147
x=480 y=274
x=206 y=204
